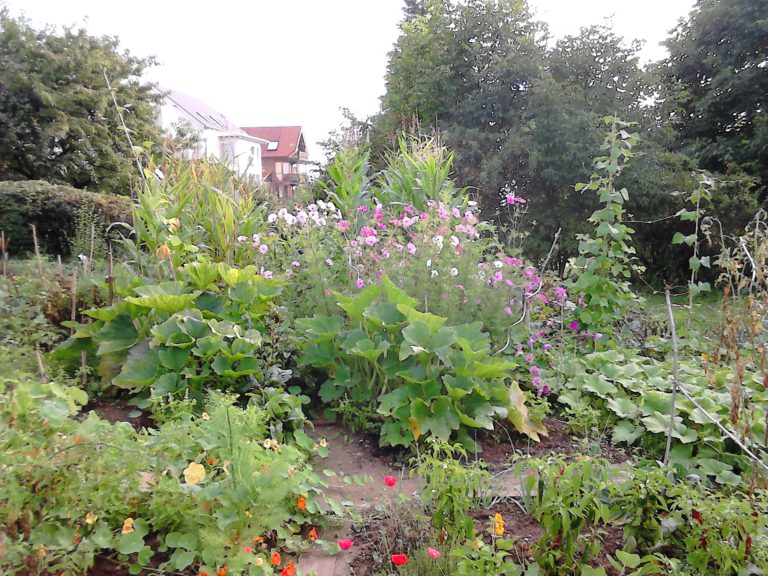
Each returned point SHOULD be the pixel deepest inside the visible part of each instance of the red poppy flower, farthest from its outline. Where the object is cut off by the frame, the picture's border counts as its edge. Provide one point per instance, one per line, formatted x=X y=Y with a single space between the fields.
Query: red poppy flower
x=390 y=481
x=345 y=544
x=289 y=570
x=399 y=559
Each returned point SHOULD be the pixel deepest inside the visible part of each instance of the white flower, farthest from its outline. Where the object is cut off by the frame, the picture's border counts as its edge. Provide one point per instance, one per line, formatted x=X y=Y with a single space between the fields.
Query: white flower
x=438 y=240
x=272 y=218
x=471 y=203
x=454 y=241
x=322 y=205
x=435 y=273
x=498 y=264
x=312 y=207
x=429 y=263
x=257 y=238
x=282 y=213
x=454 y=271
x=290 y=219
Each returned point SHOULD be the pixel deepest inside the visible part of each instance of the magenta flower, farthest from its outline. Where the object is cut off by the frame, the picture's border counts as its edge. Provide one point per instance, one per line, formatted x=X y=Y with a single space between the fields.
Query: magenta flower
x=535 y=370
x=433 y=553
x=508 y=311
x=573 y=326
x=360 y=283
x=268 y=274
x=343 y=225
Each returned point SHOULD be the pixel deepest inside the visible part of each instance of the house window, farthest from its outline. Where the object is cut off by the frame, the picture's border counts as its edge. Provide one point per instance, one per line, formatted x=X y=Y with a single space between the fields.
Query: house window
x=272 y=146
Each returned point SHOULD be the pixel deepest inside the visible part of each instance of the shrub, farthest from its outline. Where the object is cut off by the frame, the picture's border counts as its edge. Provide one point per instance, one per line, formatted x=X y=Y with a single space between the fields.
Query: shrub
x=54 y=210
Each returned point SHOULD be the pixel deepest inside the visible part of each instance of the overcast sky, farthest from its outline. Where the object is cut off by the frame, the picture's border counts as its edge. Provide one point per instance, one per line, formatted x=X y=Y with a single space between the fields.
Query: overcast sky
x=273 y=62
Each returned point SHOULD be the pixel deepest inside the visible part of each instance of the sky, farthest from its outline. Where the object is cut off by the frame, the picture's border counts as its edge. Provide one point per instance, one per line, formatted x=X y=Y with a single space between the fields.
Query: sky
x=289 y=62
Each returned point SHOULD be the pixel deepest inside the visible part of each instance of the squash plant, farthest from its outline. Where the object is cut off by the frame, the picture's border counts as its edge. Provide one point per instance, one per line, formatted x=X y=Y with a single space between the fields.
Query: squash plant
x=421 y=375
x=203 y=330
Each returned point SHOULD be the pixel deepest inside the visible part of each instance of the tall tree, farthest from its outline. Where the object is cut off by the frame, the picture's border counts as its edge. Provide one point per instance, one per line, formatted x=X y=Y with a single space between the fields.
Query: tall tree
x=58 y=120
x=715 y=86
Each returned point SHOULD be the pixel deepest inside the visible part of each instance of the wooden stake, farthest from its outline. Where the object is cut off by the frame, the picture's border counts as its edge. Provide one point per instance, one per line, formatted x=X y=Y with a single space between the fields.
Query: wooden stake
x=110 y=277
x=40 y=365
x=93 y=241
x=37 y=250
x=84 y=368
x=59 y=267
x=74 y=299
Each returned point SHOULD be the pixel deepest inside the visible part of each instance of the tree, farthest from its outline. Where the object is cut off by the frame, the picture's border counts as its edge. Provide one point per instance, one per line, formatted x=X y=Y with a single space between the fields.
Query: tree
x=715 y=86
x=58 y=121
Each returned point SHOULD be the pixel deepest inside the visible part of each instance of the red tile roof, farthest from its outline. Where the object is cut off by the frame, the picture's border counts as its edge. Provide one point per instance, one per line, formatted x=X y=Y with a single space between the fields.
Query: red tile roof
x=287 y=138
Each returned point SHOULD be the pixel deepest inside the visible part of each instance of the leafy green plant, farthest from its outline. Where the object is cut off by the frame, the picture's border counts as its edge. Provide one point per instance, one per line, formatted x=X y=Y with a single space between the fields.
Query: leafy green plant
x=606 y=261
x=452 y=486
x=423 y=376
x=569 y=500
x=181 y=337
x=210 y=491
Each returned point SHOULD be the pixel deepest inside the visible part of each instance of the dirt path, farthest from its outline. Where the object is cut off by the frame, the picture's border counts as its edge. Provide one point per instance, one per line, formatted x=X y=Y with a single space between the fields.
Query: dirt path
x=350 y=455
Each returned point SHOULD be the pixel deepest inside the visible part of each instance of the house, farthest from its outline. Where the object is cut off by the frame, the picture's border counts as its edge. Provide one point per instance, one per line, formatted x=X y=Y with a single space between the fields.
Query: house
x=206 y=133
x=284 y=157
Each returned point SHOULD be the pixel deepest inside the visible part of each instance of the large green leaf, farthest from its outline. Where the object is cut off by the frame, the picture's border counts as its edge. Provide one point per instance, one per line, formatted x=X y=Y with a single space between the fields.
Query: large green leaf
x=434 y=323
x=141 y=368
x=355 y=305
x=166 y=302
x=118 y=334
x=395 y=295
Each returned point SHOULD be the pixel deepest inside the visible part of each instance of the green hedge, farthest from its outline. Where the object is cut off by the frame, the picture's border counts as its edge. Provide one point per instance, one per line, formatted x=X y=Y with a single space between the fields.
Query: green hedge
x=53 y=209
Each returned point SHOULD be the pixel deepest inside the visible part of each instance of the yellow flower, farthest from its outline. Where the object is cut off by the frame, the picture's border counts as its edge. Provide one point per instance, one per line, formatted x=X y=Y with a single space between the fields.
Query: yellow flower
x=194 y=473
x=173 y=224
x=163 y=251
x=205 y=416
x=415 y=428
x=498 y=525
x=91 y=518
x=42 y=552
x=323 y=442
x=127 y=526
x=259 y=561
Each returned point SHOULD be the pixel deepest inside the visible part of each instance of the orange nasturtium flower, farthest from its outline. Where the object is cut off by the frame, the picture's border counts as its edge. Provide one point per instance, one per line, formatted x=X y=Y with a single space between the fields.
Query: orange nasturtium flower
x=313 y=534
x=498 y=525
x=289 y=570
x=127 y=526
x=301 y=503
x=275 y=559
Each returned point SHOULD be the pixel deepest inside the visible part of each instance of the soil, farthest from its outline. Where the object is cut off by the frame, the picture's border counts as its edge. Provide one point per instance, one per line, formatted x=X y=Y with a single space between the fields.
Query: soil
x=499 y=448
x=118 y=410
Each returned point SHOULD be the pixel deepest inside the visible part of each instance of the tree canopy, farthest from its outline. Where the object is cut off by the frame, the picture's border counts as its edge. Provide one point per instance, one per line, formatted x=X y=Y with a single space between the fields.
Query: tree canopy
x=58 y=120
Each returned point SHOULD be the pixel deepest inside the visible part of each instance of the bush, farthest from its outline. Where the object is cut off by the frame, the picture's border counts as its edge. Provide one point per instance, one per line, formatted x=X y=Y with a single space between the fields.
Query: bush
x=53 y=209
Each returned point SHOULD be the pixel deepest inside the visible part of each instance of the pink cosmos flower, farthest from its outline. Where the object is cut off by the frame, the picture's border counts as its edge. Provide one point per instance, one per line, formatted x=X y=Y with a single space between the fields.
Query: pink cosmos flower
x=508 y=311
x=263 y=248
x=343 y=225
x=268 y=274
x=513 y=199
x=433 y=553
x=362 y=208
x=295 y=264
x=573 y=326
x=360 y=283
x=411 y=248
x=535 y=370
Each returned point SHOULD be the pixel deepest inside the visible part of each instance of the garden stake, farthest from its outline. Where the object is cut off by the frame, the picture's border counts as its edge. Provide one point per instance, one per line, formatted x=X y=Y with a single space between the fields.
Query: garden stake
x=74 y=299
x=675 y=379
x=40 y=365
x=37 y=250
x=84 y=368
x=59 y=267
x=110 y=278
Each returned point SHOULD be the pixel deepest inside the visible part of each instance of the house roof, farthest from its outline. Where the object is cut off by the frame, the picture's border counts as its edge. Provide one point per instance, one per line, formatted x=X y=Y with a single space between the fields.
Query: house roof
x=203 y=117
x=288 y=139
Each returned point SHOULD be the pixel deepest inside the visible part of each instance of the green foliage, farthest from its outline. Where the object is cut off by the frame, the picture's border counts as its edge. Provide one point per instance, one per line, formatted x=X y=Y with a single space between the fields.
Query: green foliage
x=195 y=212
x=181 y=337
x=418 y=174
x=602 y=271
x=54 y=210
x=74 y=488
x=714 y=84
x=58 y=121
x=568 y=500
x=423 y=376
x=349 y=184
x=452 y=486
